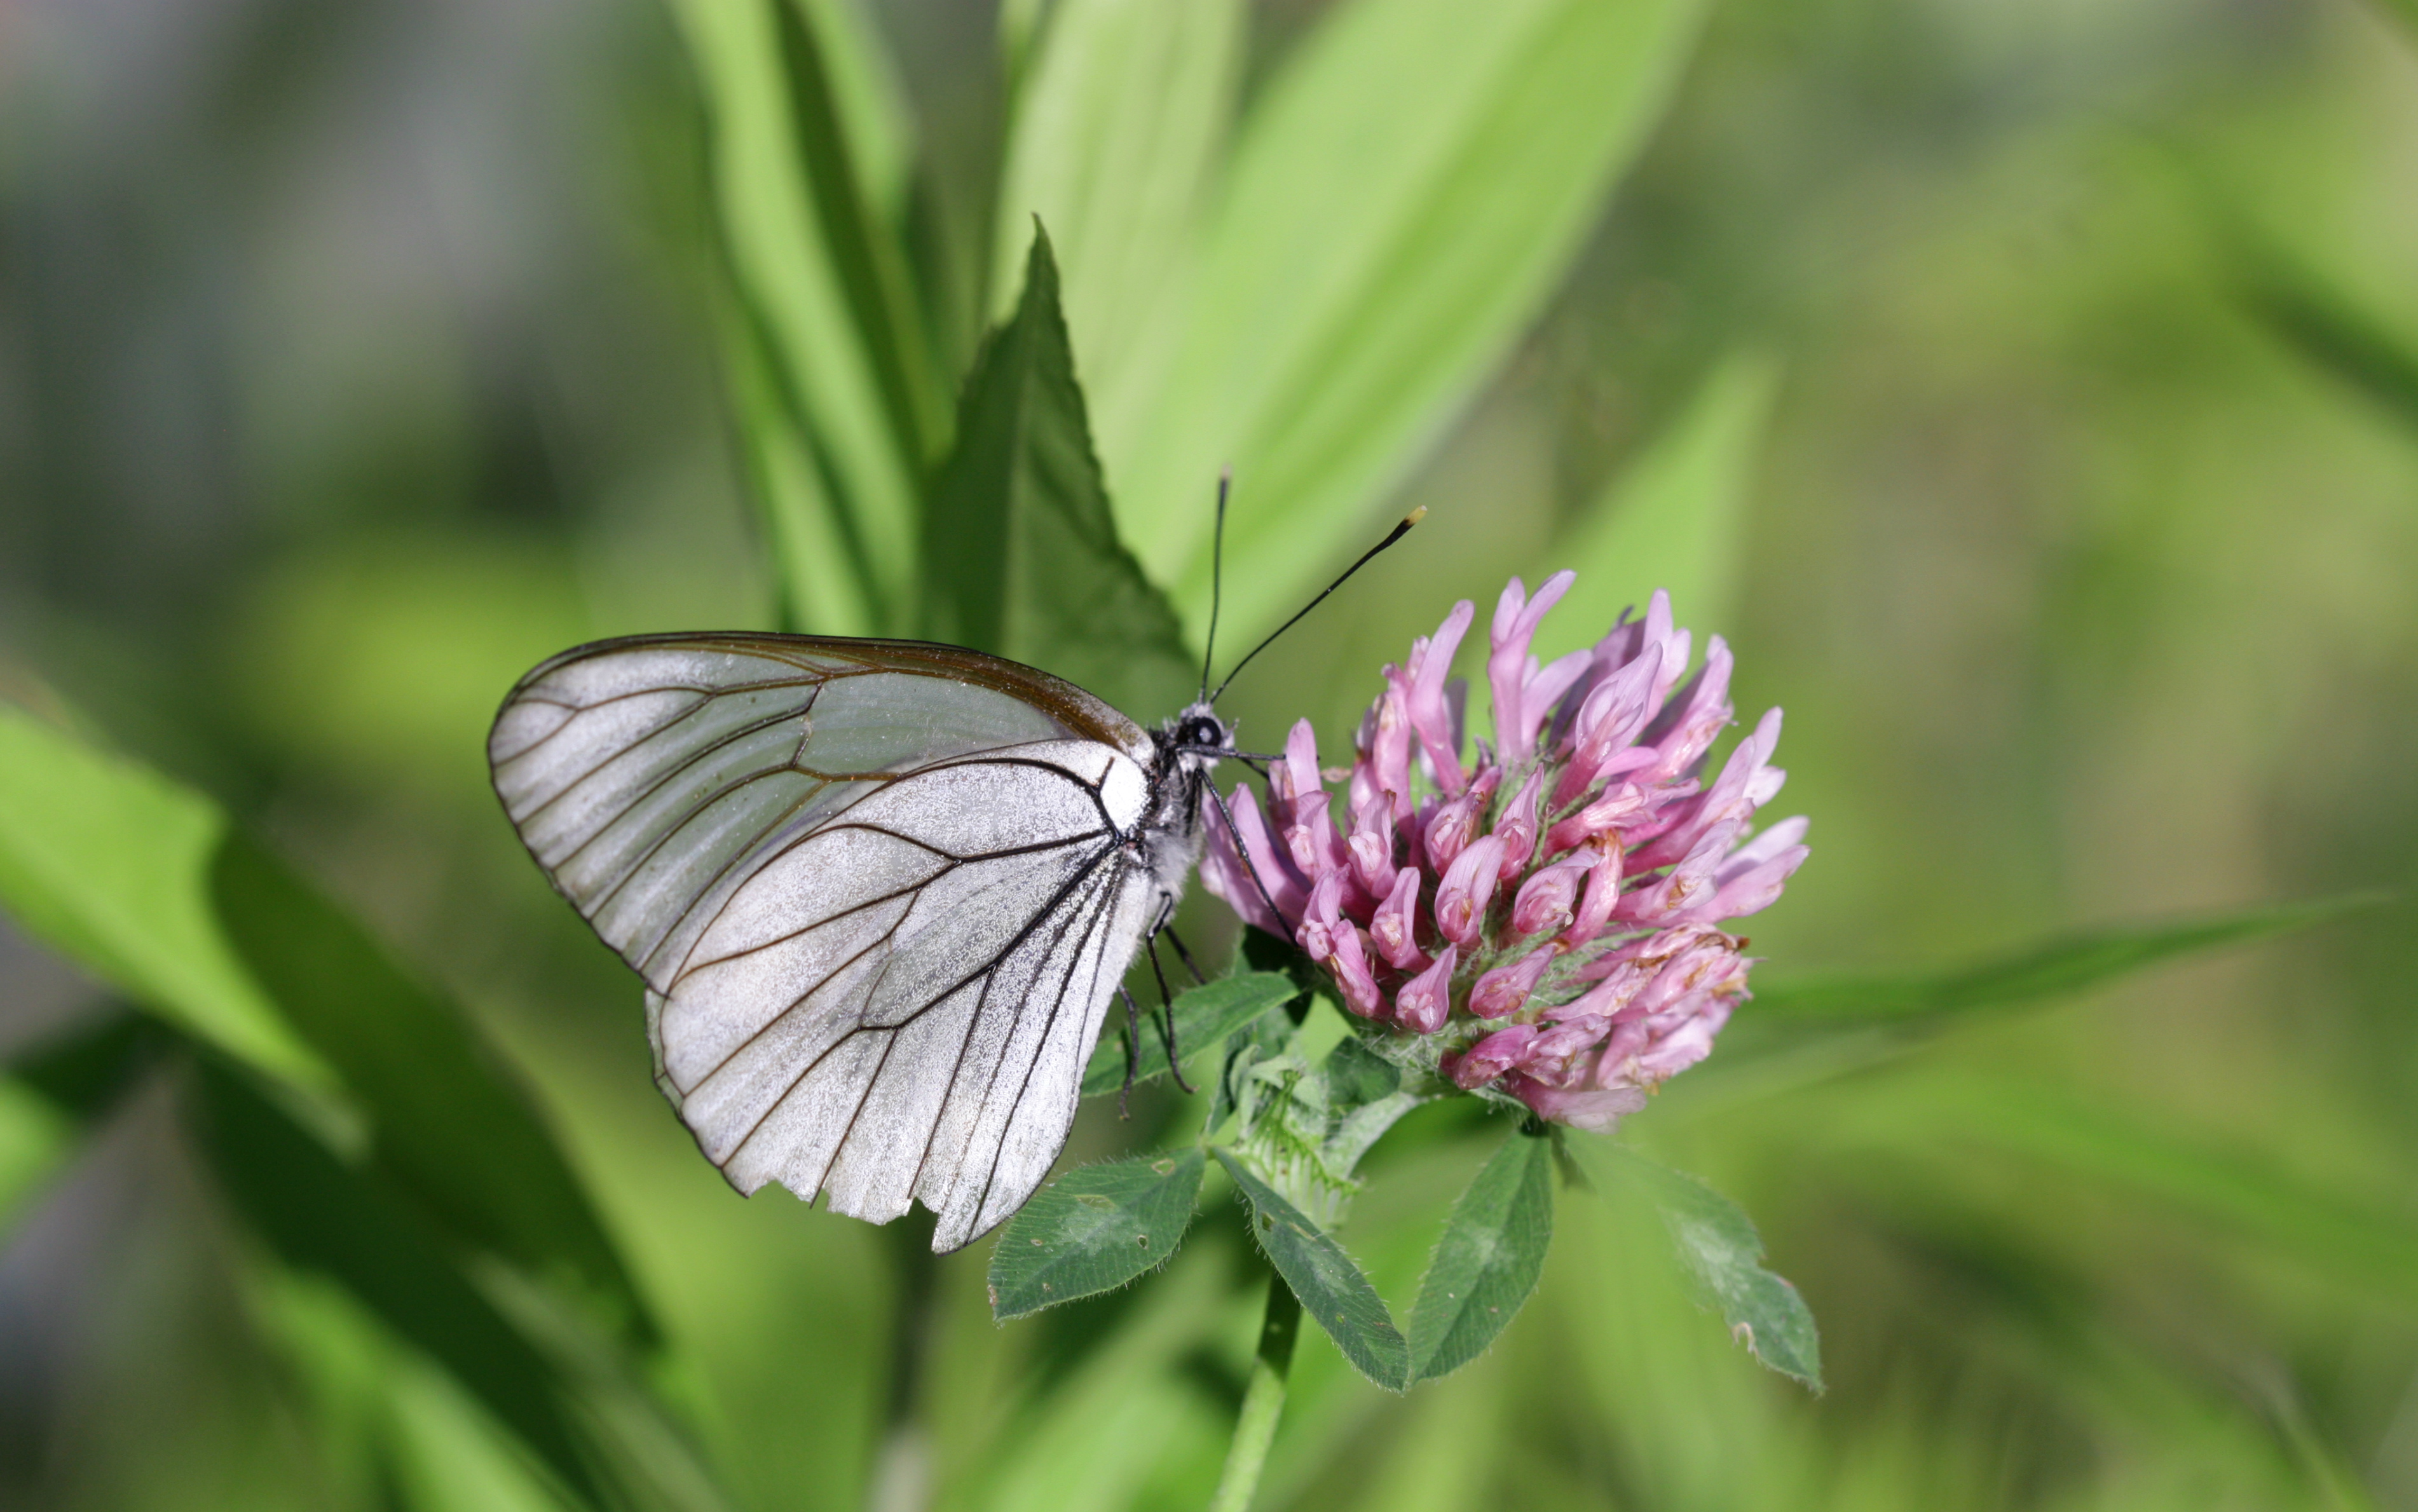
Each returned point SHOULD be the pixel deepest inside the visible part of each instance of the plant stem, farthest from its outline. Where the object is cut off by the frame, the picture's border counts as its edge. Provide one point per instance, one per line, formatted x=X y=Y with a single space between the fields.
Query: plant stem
x=901 y=1480
x=1255 y=1428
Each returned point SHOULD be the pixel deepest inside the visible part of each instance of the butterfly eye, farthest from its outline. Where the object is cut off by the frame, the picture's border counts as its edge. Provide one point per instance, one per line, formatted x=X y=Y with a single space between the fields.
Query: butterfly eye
x=1201 y=732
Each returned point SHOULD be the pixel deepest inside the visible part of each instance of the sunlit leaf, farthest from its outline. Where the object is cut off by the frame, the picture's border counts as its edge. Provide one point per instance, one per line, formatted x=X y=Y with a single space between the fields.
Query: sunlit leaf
x=1094 y=1228
x=1118 y=134
x=1403 y=195
x=1487 y=1261
x=1204 y=1017
x=1673 y=518
x=1329 y=1284
x=1023 y=557
x=108 y=862
x=1723 y=1256
x=142 y=883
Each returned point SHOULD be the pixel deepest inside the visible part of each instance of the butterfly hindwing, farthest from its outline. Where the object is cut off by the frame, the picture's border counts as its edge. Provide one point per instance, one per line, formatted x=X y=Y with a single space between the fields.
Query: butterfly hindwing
x=878 y=892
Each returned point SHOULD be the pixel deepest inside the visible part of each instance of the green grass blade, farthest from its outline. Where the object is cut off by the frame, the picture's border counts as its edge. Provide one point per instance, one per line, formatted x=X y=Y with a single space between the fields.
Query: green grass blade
x=2332 y=331
x=2310 y=312
x=1203 y=1017
x=1328 y=1281
x=1674 y=518
x=1119 y=130
x=826 y=307
x=1403 y=197
x=1021 y=550
x=823 y=572
x=2352 y=1242
x=2054 y=969
x=1488 y=1258
x=2404 y=12
x=863 y=251
x=1094 y=1229
x=868 y=100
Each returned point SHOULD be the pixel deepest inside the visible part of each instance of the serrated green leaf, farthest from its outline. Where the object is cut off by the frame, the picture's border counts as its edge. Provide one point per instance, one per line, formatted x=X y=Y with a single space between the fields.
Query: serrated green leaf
x=1205 y=1017
x=1488 y=1259
x=1722 y=1256
x=1094 y=1229
x=1119 y=130
x=1022 y=553
x=1329 y=1283
x=108 y=862
x=1403 y=196
x=1672 y=519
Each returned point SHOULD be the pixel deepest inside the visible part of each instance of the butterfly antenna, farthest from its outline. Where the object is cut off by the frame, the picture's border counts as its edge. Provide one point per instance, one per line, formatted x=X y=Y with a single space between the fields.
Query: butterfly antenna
x=1396 y=534
x=1216 y=580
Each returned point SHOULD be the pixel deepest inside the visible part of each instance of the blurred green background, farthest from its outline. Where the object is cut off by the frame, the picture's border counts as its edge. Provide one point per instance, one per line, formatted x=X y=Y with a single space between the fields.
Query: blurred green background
x=2044 y=374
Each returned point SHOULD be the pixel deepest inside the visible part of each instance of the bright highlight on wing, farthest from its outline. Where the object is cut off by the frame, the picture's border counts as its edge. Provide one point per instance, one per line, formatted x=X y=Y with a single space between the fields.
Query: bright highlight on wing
x=881 y=893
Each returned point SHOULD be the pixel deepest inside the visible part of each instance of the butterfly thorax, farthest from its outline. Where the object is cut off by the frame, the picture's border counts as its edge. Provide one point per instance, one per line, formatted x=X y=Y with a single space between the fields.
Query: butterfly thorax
x=1183 y=754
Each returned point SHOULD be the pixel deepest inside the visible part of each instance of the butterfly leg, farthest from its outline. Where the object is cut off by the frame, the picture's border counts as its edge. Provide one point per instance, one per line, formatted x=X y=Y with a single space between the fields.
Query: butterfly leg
x=1184 y=955
x=1133 y=1048
x=1167 y=1008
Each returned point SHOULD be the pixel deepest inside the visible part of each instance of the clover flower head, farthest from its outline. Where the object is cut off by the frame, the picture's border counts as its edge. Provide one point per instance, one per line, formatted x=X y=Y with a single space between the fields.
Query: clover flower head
x=1541 y=922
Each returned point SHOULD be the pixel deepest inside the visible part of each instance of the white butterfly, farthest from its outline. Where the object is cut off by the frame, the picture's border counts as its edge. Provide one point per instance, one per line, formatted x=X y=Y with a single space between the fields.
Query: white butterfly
x=881 y=893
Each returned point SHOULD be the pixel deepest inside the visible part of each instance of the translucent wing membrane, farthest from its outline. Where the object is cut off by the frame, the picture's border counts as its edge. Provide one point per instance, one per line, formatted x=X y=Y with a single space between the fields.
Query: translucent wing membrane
x=879 y=892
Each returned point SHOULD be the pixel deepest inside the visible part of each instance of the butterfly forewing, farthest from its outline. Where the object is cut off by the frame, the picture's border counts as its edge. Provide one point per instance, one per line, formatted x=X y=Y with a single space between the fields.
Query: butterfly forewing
x=880 y=892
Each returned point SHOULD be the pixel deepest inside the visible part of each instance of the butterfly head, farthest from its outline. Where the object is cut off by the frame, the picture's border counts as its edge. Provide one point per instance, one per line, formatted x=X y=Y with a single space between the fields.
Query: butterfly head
x=1196 y=737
